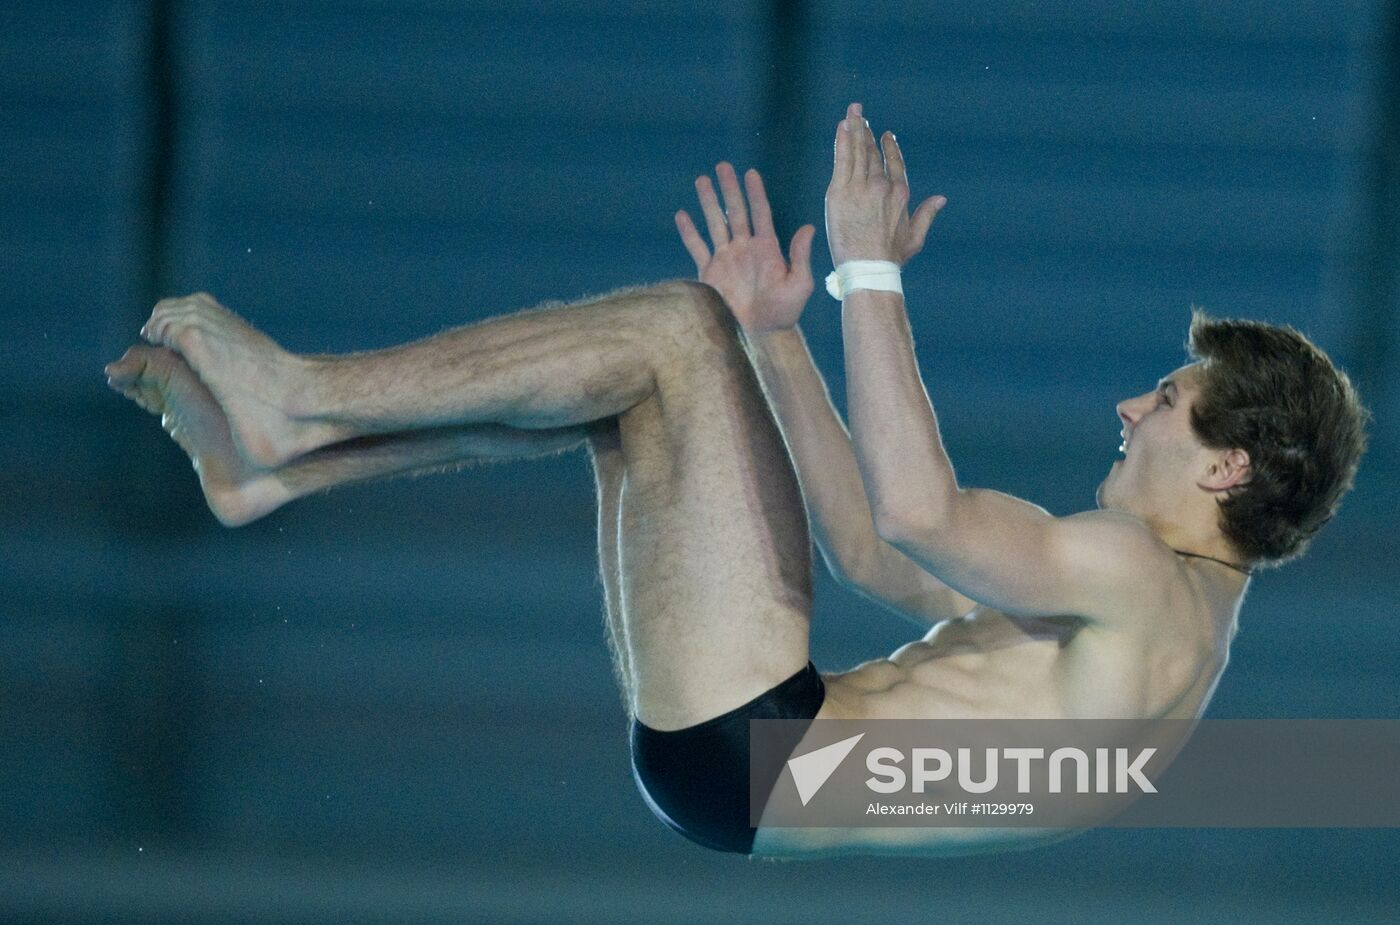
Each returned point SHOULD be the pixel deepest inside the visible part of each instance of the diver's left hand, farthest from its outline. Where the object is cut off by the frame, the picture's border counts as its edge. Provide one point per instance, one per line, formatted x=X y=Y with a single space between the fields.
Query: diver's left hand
x=747 y=267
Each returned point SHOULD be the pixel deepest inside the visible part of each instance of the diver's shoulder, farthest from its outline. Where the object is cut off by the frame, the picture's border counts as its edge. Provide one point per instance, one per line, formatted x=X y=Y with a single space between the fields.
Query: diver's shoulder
x=1124 y=539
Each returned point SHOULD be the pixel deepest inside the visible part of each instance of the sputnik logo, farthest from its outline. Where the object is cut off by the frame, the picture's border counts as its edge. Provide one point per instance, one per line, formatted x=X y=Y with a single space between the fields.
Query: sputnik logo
x=812 y=770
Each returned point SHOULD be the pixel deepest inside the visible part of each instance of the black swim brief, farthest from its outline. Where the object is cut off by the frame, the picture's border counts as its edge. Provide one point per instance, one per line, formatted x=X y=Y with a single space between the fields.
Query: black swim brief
x=696 y=779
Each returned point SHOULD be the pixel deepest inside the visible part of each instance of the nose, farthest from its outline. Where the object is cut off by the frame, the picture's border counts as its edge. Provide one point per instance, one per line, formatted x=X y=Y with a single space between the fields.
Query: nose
x=1130 y=409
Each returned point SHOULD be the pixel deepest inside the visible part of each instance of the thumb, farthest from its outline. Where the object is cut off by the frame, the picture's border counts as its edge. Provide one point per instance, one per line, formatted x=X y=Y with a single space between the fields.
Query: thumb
x=923 y=218
x=800 y=252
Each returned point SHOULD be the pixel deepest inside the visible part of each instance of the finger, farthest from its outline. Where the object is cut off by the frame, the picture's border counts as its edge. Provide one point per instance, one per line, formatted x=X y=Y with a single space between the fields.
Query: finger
x=758 y=204
x=694 y=244
x=922 y=218
x=859 y=153
x=874 y=163
x=800 y=253
x=714 y=215
x=841 y=165
x=733 y=200
x=894 y=160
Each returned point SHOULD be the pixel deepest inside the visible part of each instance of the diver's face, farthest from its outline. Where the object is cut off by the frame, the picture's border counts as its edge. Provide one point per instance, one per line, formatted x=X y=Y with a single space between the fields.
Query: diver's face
x=1160 y=451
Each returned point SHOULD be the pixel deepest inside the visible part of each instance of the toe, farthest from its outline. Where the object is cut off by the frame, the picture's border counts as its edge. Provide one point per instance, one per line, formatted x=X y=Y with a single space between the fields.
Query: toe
x=127 y=369
x=163 y=315
x=185 y=339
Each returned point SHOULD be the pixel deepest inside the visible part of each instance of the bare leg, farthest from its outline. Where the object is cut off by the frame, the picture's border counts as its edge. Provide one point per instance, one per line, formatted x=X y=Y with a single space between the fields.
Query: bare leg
x=162 y=383
x=714 y=554
x=237 y=492
x=522 y=370
x=609 y=468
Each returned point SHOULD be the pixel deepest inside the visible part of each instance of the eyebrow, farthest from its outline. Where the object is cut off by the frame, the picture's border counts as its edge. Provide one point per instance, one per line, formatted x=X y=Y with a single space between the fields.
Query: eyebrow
x=1164 y=383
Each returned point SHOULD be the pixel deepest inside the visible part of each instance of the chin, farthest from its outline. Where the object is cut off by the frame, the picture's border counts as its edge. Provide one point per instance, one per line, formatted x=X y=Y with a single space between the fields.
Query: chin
x=1105 y=496
x=1101 y=494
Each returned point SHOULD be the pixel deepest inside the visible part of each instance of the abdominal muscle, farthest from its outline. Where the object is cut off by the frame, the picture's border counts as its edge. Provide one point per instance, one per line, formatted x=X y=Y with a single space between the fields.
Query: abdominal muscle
x=988 y=665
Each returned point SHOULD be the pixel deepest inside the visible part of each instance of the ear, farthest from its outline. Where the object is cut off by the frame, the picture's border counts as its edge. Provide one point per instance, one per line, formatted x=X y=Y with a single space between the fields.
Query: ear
x=1229 y=469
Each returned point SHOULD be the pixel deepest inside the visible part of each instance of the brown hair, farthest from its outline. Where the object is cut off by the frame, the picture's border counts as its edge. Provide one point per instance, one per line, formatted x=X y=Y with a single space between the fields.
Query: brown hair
x=1271 y=392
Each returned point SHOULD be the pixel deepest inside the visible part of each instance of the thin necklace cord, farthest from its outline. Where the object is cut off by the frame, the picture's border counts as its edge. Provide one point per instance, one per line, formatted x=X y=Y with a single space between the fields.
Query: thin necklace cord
x=1197 y=555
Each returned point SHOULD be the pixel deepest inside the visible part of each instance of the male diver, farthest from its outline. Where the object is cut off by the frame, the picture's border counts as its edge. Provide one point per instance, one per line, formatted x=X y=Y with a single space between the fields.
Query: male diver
x=710 y=430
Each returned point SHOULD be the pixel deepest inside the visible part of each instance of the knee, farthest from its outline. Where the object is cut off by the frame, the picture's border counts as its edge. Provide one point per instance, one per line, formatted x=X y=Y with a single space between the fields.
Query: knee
x=700 y=317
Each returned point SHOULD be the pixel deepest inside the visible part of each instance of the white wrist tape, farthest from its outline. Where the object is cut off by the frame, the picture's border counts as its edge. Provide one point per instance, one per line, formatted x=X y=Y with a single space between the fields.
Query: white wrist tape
x=880 y=275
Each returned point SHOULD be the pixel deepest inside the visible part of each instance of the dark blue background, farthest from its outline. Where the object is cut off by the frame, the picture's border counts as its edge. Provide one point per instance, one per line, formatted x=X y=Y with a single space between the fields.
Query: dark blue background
x=394 y=703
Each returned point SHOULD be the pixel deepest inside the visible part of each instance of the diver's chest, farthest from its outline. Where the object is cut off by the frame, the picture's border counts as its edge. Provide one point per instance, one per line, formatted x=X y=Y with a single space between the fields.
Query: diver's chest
x=990 y=628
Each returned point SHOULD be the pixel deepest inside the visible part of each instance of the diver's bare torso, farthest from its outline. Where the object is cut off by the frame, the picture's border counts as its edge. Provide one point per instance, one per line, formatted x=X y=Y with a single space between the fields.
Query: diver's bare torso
x=1161 y=663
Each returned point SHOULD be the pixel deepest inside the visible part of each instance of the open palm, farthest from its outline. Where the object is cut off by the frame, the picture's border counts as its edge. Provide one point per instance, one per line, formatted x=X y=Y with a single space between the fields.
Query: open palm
x=747 y=268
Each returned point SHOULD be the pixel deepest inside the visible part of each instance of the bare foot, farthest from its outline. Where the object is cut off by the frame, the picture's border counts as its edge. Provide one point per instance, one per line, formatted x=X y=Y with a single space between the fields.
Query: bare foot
x=256 y=383
x=159 y=381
